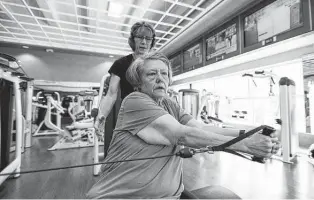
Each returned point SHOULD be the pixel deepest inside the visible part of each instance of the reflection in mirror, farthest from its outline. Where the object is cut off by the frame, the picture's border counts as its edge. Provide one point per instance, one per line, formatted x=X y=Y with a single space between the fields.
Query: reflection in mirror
x=250 y=97
x=308 y=75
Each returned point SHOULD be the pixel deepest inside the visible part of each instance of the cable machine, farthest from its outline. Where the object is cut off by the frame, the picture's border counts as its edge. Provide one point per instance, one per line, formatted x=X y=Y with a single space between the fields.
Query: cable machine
x=11 y=82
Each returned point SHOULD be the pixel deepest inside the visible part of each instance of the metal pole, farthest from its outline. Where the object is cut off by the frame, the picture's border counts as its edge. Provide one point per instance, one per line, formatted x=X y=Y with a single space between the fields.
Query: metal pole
x=19 y=128
x=28 y=115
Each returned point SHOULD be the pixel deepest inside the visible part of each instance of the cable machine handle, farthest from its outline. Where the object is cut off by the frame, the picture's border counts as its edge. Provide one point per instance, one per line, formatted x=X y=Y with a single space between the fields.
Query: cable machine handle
x=266 y=131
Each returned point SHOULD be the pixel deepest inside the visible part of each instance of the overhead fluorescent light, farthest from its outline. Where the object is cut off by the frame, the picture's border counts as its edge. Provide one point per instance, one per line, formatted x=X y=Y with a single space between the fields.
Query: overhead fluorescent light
x=25 y=47
x=111 y=56
x=115 y=9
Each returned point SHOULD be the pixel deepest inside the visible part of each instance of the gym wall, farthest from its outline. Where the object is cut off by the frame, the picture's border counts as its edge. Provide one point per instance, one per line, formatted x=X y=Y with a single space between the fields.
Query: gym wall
x=57 y=66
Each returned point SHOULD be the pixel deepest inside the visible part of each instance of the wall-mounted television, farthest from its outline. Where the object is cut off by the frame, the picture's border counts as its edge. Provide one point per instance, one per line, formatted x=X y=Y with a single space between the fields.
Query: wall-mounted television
x=176 y=64
x=223 y=42
x=193 y=57
x=273 y=21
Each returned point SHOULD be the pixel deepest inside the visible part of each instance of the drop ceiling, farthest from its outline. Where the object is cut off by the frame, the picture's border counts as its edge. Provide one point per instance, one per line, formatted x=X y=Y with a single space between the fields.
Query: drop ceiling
x=87 y=25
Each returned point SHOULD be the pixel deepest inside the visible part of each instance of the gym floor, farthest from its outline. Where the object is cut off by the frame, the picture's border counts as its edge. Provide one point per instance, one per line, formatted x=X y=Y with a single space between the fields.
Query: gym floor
x=60 y=184
x=249 y=180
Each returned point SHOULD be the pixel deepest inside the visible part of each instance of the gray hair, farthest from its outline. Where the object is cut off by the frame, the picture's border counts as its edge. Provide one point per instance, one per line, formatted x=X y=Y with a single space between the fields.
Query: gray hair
x=135 y=71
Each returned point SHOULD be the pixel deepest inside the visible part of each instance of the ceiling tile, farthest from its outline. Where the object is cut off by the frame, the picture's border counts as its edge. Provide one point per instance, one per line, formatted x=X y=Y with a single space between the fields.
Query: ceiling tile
x=79 y=23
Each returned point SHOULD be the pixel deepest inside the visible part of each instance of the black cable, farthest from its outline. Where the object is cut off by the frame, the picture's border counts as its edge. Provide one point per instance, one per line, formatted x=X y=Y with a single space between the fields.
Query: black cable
x=84 y=165
x=223 y=146
x=183 y=153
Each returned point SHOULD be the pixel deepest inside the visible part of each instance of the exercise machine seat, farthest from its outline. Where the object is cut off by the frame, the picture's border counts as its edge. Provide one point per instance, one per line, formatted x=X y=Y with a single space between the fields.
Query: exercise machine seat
x=210 y=192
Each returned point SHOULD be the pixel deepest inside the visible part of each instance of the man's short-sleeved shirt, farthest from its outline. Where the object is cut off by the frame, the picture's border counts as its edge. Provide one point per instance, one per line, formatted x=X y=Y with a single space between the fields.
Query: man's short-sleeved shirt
x=119 y=69
x=156 y=178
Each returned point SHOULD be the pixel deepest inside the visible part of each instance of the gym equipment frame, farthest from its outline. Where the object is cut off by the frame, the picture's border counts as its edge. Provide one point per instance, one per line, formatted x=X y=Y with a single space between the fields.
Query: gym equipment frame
x=15 y=165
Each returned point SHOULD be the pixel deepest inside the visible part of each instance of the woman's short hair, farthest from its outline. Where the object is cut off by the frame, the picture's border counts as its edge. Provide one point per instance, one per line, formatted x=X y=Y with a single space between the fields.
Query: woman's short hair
x=135 y=71
x=134 y=29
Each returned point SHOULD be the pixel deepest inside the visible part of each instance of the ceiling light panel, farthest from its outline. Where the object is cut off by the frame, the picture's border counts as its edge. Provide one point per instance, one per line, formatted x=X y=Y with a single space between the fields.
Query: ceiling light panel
x=18 y=9
x=13 y=1
x=88 y=26
x=24 y=36
x=5 y=34
x=8 y=23
x=3 y=15
x=115 y=9
x=33 y=27
x=25 y=19
x=37 y=33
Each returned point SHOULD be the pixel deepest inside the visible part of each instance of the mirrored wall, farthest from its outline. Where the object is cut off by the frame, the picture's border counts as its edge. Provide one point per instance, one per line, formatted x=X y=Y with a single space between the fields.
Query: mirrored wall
x=308 y=75
x=252 y=97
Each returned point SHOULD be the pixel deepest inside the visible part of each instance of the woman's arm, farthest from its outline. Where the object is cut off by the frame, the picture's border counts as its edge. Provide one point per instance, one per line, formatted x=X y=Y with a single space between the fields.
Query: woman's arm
x=109 y=100
x=166 y=130
x=106 y=105
x=234 y=132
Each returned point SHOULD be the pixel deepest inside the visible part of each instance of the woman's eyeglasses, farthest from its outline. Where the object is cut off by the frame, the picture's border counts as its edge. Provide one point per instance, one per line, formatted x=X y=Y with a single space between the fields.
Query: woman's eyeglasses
x=148 y=39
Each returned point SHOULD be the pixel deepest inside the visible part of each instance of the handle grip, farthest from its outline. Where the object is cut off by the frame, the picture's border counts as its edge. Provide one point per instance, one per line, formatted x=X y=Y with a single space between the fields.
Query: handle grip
x=259 y=72
x=268 y=130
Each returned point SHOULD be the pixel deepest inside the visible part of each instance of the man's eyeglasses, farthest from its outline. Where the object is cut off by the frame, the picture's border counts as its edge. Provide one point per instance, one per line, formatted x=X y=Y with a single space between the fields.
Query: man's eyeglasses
x=148 y=39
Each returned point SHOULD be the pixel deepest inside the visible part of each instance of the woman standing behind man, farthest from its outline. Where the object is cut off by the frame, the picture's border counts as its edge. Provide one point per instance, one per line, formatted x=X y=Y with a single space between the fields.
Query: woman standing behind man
x=141 y=40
